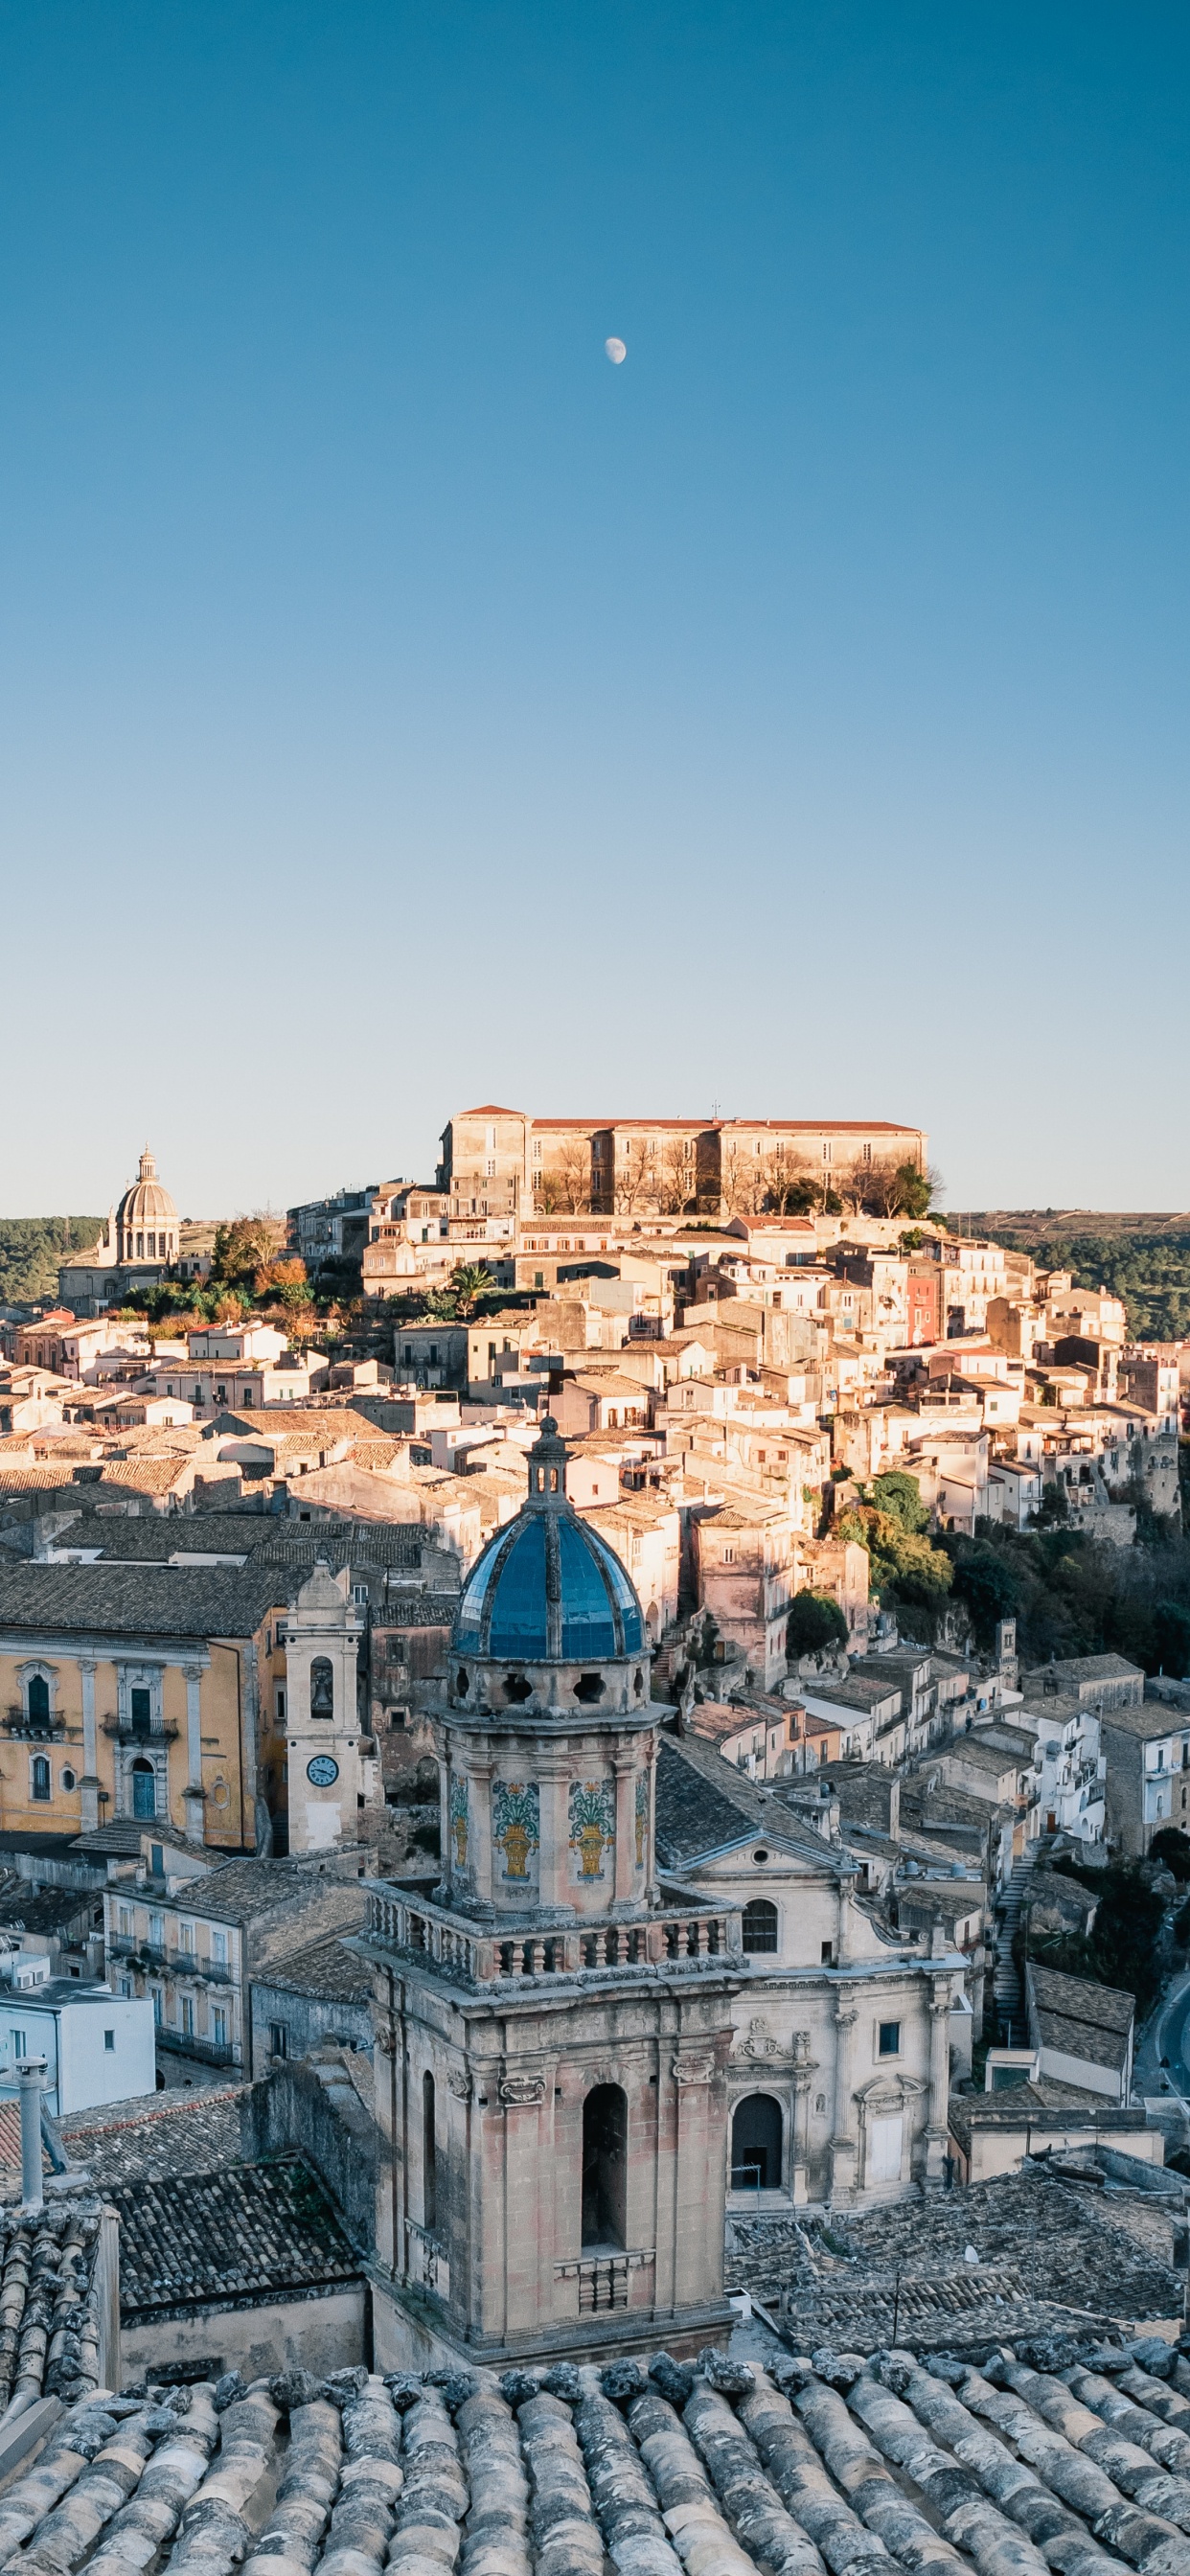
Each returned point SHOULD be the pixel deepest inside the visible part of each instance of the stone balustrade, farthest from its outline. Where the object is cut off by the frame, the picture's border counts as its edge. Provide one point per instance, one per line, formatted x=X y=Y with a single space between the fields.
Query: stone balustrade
x=671 y=1942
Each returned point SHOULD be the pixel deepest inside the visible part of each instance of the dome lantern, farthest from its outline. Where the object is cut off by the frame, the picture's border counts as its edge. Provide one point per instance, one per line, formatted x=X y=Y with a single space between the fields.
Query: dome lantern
x=147 y=1218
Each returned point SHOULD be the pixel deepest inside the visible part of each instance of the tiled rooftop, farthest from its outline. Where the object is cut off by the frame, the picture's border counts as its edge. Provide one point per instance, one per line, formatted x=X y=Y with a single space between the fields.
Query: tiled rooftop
x=49 y=2333
x=242 y=2232
x=717 y=2469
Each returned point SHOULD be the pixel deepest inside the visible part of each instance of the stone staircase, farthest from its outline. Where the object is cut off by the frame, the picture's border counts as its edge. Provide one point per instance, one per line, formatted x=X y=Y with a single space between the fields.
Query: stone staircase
x=1006 y=1984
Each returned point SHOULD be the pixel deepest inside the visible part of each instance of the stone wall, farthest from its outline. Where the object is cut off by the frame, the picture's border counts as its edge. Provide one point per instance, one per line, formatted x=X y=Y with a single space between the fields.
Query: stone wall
x=313 y=2109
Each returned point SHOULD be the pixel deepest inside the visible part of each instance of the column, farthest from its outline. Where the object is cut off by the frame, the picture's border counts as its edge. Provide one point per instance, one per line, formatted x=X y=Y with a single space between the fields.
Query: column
x=843 y=2143
x=938 y=2128
x=194 y=1794
x=553 y=1789
x=479 y=1833
x=799 y=2136
x=624 y=1766
x=89 y=1784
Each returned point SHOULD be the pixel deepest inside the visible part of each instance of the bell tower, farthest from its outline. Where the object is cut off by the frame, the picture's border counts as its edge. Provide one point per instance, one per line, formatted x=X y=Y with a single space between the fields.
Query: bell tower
x=553 y=2026
x=328 y=1778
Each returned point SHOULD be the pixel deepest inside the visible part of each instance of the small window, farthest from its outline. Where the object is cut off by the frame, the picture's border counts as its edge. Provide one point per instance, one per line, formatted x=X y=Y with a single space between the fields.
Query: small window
x=41 y=1776
x=889 y=2039
x=68 y=1781
x=279 y=2038
x=20 y=2043
x=157 y=1859
x=219 y=1949
x=109 y=2042
x=828 y=1954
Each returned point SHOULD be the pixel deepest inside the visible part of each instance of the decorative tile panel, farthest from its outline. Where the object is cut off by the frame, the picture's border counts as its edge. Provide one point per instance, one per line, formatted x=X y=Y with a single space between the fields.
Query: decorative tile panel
x=592 y=1828
x=516 y=1828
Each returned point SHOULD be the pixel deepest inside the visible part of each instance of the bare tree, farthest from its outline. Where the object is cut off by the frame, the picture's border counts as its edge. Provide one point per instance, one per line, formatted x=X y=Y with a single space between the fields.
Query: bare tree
x=635 y=1175
x=677 y=1175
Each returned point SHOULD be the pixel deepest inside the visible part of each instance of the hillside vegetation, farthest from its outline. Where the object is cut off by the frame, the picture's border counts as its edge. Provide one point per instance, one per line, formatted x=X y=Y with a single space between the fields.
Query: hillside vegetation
x=31 y=1248
x=1143 y=1259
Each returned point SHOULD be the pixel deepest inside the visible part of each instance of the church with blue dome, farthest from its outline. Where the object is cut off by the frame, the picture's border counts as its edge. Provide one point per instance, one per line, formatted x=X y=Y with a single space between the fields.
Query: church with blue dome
x=555 y=2023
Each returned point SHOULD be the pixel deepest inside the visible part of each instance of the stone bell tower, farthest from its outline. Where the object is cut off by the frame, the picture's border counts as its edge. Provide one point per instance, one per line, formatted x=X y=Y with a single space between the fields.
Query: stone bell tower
x=553 y=2027
x=328 y=1778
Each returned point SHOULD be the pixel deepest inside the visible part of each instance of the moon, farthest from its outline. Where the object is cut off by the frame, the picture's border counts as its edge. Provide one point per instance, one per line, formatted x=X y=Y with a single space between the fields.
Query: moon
x=616 y=351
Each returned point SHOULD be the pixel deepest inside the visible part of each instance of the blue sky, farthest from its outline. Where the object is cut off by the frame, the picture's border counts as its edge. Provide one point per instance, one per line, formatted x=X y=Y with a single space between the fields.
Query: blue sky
x=401 y=706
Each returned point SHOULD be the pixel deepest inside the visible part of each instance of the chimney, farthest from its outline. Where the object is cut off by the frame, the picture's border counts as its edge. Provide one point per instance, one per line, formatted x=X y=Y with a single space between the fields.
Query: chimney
x=31 y=2076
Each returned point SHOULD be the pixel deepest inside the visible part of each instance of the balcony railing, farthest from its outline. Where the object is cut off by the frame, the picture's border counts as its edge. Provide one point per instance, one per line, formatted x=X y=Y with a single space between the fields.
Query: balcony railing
x=39 y=1730
x=152 y=1958
x=184 y=2043
x=126 y=1731
x=678 y=1942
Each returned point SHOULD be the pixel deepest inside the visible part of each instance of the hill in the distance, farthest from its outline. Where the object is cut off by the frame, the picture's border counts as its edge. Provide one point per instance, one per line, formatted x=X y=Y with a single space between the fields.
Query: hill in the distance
x=31 y=1248
x=1142 y=1257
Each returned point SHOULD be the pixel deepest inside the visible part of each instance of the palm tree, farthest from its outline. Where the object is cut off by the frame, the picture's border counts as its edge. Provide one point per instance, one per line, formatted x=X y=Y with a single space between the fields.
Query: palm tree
x=469 y=1281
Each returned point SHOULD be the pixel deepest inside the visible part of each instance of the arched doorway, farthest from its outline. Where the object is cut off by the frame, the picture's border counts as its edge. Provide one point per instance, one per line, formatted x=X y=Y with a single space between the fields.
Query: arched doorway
x=756 y=2144
x=37 y=1701
x=605 y=2168
x=144 y=1790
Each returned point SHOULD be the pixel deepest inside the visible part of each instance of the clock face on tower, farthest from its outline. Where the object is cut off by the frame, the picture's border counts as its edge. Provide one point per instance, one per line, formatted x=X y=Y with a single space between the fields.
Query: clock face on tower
x=323 y=1771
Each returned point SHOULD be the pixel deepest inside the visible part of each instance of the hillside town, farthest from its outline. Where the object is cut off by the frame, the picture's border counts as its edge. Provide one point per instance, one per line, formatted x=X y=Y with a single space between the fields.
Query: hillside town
x=549 y=1818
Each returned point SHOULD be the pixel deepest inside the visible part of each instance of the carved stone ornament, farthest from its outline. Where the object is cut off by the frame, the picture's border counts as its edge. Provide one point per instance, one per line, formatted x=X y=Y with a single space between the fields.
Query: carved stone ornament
x=693 y=2070
x=386 y=2038
x=459 y=2083
x=522 y=2092
x=759 y=2042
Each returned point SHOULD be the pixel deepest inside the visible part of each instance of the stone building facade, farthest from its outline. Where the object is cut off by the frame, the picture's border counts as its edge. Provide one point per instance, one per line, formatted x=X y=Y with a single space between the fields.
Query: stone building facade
x=503 y=1163
x=554 y=2027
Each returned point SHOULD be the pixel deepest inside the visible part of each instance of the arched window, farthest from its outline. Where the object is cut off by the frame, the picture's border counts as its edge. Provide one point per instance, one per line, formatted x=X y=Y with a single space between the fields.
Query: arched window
x=40 y=1776
x=760 y=1925
x=37 y=1700
x=322 y=1687
x=144 y=1790
x=429 y=2163
x=605 y=2167
x=756 y=2144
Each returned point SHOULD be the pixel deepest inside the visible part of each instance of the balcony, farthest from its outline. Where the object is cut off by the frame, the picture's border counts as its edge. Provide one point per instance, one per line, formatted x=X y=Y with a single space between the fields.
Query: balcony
x=125 y=1732
x=41 y=1730
x=673 y=1943
x=183 y=2043
x=192 y=1963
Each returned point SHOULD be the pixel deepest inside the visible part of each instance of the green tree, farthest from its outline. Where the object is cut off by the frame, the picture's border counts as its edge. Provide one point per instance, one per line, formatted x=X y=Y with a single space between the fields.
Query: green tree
x=900 y=1496
x=242 y=1249
x=985 y=1582
x=815 y=1624
x=469 y=1282
x=1171 y=1638
x=1172 y=1847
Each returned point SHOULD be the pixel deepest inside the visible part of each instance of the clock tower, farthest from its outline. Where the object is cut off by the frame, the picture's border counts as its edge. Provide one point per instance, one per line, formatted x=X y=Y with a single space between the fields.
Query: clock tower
x=329 y=1778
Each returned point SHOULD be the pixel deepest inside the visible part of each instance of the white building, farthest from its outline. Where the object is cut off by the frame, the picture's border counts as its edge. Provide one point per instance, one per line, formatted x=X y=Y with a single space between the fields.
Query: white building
x=98 y=2046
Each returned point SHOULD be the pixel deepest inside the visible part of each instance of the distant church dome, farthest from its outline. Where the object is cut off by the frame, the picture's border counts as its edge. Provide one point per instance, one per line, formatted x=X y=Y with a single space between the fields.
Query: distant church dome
x=146 y=1219
x=548 y=1589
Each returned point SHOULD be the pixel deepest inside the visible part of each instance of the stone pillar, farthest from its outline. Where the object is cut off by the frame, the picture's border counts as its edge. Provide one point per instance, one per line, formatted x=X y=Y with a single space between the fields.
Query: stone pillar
x=624 y=1767
x=194 y=1794
x=938 y=2127
x=553 y=1787
x=89 y=1784
x=843 y=2141
x=479 y=1833
x=799 y=2134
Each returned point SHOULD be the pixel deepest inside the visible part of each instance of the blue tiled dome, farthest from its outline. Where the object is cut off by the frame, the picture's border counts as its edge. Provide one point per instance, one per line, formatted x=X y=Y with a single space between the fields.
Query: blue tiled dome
x=548 y=1590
